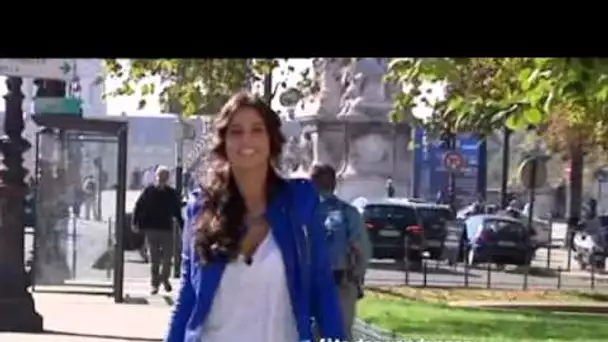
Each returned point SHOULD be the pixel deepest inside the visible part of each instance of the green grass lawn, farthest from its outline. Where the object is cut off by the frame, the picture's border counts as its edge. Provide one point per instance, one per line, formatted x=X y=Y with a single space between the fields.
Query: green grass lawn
x=438 y=322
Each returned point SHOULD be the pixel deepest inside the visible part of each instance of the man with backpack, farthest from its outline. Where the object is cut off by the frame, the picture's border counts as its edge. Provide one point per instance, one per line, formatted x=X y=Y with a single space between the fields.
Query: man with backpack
x=349 y=246
x=155 y=211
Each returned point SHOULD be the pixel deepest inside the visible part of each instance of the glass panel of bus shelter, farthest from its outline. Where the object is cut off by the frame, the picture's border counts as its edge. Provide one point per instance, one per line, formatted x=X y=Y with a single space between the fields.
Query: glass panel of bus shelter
x=74 y=237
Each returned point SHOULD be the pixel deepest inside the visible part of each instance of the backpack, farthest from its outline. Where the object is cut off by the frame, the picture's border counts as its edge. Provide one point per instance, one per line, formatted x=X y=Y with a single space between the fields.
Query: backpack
x=297 y=217
x=89 y=186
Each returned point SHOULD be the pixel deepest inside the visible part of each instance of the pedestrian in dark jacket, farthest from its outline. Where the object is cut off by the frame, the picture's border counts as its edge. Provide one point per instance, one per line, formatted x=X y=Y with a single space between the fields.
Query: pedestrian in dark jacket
x=155 y=210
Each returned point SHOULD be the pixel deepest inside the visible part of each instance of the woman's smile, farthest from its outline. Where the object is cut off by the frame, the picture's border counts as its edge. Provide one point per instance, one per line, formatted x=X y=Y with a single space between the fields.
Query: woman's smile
x=247 y=152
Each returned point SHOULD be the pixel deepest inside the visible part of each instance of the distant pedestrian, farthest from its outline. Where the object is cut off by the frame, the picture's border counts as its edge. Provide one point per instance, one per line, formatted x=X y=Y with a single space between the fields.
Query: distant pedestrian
x=155 y=210
x=390 y=188
x=89 y=193
x=136 y=179
x=349 y=246
x=78 y=200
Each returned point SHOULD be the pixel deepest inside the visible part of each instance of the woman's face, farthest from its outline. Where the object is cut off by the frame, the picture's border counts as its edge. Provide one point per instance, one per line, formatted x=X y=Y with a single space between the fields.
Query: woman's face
x=247 y=141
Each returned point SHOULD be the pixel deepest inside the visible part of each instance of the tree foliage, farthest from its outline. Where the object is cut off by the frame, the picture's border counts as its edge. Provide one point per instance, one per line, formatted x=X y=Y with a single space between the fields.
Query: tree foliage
x=189 y=86
x=484 y=94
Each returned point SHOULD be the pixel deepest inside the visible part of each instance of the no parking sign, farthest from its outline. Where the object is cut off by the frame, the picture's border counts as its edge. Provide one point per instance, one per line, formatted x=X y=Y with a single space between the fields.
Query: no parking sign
x=453 y=161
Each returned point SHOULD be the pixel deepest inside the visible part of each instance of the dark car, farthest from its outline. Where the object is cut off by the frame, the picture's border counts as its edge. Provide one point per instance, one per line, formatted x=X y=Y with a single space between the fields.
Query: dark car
x=497 y=239
x=399 y=226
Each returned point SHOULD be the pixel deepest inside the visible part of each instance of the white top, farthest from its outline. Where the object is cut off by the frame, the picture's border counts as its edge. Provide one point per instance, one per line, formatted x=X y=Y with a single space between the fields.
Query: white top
x=252 y=301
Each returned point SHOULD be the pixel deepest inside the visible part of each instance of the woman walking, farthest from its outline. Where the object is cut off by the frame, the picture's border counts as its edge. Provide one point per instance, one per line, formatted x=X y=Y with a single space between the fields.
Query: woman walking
x=255 y=264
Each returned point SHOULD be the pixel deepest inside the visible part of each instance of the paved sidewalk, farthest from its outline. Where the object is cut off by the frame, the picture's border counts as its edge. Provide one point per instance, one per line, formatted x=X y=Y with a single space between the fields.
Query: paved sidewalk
x=91 y=318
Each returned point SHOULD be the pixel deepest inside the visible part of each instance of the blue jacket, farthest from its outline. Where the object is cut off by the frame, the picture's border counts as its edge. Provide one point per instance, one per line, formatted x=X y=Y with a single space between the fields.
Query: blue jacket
x=294 y=224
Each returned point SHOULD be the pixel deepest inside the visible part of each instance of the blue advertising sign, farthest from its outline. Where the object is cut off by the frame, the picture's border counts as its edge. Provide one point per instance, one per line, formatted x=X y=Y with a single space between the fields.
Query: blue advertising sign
x=431 y=176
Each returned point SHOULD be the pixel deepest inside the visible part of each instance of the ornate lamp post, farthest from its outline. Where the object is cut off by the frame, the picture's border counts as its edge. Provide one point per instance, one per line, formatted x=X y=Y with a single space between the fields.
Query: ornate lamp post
x=16 y=302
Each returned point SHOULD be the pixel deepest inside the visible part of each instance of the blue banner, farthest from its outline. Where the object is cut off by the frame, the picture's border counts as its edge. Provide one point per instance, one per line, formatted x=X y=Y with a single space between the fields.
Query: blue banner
x=430 y=175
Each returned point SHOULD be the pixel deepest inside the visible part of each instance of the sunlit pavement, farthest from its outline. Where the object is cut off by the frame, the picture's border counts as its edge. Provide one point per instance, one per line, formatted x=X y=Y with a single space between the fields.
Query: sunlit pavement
x=87 y=318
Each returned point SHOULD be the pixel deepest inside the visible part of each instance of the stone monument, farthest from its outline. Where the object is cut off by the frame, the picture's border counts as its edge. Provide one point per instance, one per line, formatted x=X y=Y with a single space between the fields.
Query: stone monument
x=345 y=124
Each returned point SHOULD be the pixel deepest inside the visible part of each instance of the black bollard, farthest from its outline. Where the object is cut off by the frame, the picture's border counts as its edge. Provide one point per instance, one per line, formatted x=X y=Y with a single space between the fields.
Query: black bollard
x=466 y=268
x=592 y=280
x=550 y=247
x=406 y=260
x=526 y=271
x=569 y=259
x=424 y=274
x=489 y=275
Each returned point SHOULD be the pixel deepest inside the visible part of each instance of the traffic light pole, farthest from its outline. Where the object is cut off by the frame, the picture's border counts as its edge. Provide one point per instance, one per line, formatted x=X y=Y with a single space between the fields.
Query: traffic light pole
x=449 y=143
x=451 y=146
x=16 y=302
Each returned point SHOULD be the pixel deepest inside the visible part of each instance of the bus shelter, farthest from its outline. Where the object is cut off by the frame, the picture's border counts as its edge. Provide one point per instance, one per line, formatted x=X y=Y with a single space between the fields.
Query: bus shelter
x=79 y=186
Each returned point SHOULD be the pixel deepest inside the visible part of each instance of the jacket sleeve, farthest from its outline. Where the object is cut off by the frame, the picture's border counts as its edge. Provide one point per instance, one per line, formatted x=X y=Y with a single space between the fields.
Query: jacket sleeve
x=325 y=304
x=139 y=208
x=186 y=297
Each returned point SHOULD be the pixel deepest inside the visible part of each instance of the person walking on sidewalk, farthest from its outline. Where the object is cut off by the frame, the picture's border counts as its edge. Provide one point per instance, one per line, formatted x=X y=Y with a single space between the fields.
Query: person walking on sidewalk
x=154 y=212
x=349 y=246
x=255 y=264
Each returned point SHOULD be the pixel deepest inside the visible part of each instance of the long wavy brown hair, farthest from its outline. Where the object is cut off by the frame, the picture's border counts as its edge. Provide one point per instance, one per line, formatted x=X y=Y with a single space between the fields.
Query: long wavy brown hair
x=220 y=227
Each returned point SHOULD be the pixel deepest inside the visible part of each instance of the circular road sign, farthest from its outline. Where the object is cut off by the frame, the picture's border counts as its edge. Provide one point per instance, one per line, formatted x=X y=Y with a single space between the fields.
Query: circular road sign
x=525 y=172
x=290 y=97
x=453 y=161
x=601 y=174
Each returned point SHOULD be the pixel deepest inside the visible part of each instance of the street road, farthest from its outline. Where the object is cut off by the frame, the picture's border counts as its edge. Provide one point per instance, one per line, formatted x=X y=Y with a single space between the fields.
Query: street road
x=543 y=273
x=93 y=240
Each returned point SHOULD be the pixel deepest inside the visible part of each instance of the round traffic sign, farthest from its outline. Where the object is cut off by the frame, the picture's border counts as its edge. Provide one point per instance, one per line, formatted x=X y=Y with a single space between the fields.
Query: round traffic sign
x=525 y=172
x=290 y=97
x=601 y=174
x=453 y=161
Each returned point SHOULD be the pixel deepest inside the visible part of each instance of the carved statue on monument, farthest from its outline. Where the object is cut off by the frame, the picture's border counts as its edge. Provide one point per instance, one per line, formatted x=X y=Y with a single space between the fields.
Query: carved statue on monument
x=299 y=154
x=365 y=90
x=291 y=155
x=306 y=152
x=328 y=74
x=350 y=129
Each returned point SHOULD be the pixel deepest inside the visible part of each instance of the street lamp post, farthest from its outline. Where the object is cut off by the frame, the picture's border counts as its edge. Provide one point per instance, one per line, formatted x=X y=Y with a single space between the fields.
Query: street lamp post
x=506 y=150
x=16 y=302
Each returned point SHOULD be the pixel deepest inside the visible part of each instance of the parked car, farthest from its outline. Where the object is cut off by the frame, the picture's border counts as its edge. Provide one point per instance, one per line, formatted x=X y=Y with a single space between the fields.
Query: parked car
x=542 y=233
x=400 y=228
x=498 y=239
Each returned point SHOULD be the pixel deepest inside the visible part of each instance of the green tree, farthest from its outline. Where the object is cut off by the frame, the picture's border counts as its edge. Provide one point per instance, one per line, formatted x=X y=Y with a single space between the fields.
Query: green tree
x=190 y=86
x=565 y=99
x=483 y=94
